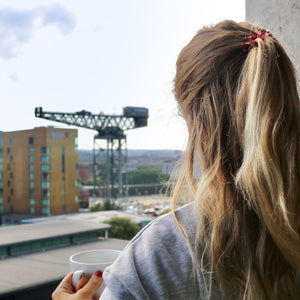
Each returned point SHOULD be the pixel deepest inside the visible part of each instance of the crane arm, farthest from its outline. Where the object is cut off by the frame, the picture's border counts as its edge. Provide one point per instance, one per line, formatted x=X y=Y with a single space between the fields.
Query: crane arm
x=98 y=122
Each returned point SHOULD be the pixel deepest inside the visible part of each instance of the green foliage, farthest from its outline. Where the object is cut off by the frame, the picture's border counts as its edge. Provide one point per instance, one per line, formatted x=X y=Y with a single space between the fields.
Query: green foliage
x=124 y=228
x=96 y=207
x=147 y=175
x=166 y=211
x=107 y=205
x=99 y=180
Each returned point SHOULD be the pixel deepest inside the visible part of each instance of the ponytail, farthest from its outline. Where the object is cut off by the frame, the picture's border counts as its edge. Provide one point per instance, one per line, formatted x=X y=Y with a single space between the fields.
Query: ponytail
x=268 y=122
x=268 y=169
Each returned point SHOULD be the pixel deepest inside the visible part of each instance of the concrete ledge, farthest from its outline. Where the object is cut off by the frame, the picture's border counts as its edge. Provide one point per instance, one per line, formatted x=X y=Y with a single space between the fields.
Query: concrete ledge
x=39 y=291
x=23 y=273
x=17 y=234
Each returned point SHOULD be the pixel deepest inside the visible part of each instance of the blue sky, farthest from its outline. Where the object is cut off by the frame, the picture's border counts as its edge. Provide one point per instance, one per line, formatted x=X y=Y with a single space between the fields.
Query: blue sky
x=100 y=56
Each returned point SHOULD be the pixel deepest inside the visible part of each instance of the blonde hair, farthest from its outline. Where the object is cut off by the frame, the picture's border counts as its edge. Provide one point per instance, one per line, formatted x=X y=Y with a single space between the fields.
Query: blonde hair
x=243 y=117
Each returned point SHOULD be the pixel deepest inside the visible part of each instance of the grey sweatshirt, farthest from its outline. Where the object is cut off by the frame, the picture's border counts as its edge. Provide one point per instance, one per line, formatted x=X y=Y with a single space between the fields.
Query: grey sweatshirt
x=157 y=263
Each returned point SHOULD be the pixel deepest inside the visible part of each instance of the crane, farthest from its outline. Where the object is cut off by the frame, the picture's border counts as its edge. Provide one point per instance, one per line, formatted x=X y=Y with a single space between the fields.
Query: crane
x=110 y=128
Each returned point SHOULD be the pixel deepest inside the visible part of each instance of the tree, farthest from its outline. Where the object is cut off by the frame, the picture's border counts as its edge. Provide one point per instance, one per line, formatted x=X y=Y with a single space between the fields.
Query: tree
x=107 y=205
x=147 y=175
x=166 y=211
x=124 y=228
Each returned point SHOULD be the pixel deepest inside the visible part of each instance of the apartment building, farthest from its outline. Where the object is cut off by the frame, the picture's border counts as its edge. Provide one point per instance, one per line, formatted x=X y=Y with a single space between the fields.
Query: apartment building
x=84 y=172
x=39 y=171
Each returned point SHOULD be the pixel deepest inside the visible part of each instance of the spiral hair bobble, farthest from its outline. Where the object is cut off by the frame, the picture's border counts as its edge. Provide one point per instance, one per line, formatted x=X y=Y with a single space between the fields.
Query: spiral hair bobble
x=250 y=40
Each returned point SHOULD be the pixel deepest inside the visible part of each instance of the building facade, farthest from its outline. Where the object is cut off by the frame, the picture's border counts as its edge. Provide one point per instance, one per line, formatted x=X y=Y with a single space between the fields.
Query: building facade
x=84 y=172
x=39 y=171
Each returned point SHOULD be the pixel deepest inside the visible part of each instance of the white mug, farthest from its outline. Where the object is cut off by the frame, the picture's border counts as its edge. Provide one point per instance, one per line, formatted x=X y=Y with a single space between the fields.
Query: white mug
x=88 y=262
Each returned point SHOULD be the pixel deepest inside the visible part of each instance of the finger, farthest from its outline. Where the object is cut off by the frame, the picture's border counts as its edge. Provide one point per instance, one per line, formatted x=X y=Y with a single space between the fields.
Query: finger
x=93 y=285
x=66 y=283
x=65 y=286
x=81 y=283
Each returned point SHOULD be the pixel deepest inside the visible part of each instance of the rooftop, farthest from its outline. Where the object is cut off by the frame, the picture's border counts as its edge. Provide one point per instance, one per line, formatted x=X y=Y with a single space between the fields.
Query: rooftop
x=19 y=273
x=30 y=232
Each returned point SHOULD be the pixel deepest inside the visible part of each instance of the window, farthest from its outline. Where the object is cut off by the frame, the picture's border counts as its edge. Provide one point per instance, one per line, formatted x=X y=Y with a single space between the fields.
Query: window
x=45 y=158
x=8 y=183
x=45 y=184
x=1 y=191
x=63 y=159
x=77 y=181
x=1 y=158
x=11 y=175
x=45 y=175
x=1 y=175
x=1 y=208
x=1 y=151
x=11 y=208
x=11 y=141
x=1 y=199
x=45 y=201
x=11 y=158
x=31 y=184
x=31 y=158
x=45 y=149
x=31 y=175
x=31 y=150
x=45 y=167
x=31 y=192
x=1 y=182
x=45 y=210
x=8 y=167
x=8 y=150
x=45 y=193
x=11 y=191
x=1 y=167
x=31 y=209
x=31 y=201
x=8 y=199
x=77 y=166
x=76 y=199
x=31 y=167
x=30 y=141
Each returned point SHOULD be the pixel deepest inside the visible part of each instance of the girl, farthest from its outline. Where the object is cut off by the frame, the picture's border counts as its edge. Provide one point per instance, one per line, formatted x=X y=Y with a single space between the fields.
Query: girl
x=239 y=238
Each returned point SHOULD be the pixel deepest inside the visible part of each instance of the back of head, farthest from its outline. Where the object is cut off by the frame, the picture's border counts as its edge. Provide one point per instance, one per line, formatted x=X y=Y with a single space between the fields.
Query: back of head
x=236 y=88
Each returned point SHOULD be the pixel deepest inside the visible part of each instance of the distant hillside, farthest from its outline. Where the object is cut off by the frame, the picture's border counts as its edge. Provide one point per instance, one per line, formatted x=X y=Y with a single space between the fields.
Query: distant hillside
x=139 y=153
x=86 y=156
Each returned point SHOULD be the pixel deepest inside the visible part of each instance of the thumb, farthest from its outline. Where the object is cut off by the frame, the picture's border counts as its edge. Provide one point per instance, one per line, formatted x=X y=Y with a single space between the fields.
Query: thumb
x=93 y=285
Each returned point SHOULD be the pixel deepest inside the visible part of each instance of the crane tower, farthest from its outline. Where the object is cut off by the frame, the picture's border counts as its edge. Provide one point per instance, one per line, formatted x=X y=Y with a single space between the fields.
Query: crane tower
x=110 y=128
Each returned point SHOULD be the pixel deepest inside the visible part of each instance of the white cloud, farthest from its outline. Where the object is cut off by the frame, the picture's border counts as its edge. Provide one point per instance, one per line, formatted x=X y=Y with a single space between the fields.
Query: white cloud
x=98 y=28
x=58 y=15
x=14 y=77
x=18 y=26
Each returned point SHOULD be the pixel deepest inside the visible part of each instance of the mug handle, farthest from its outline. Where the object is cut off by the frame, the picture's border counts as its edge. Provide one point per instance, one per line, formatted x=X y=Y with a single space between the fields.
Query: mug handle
x=76 y=276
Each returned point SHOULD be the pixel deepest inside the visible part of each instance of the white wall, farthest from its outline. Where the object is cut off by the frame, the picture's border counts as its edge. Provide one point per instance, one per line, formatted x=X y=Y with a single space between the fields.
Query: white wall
x=282 y=18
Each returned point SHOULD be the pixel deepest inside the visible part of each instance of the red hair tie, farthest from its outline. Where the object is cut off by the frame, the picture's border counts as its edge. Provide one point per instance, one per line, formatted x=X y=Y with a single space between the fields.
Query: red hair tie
x=250 y=40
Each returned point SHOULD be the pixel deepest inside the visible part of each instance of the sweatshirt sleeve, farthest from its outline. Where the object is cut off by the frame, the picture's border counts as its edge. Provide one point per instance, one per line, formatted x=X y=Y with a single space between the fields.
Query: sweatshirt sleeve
x=156 y=264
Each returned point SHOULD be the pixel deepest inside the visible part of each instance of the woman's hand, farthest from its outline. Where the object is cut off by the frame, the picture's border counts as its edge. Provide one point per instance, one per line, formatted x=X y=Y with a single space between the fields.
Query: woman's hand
x=85 y=289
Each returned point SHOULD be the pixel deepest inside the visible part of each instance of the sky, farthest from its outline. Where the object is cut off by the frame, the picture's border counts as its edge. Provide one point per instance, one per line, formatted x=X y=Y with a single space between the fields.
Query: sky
x=100 y=56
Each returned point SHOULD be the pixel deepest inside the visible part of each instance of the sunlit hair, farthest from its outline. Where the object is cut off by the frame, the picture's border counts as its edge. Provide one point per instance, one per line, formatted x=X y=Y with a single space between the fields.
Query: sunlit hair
x=243 y=117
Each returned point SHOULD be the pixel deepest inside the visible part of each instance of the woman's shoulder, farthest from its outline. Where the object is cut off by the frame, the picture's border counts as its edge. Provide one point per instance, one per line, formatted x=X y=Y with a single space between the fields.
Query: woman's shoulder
x=164 y=227
x=156 y=262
